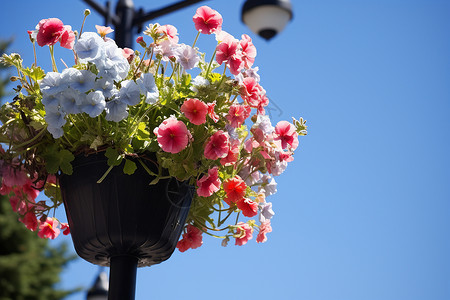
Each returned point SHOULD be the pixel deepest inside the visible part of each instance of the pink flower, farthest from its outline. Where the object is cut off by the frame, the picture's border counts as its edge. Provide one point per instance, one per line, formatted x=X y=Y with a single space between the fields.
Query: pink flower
x=49 y=229
x=248 y=207
x=207 y=20
x=211 y=113
x=172 y=135
x=103 y=30
x=65 y=228
x=248 y=51
x=49 y=32
x=244 y=233
x=263 y=230
x=233 y=154
x=209 y=184
x=30 y=221
x=235 y=64
x=128 y=54
x=192 y=239
x=226 y=50
x=217 y=145
x=67 y=38
x=286 y=133
x=237 y=114
x=170 y=32
x=235 y=188
x=14 y=176
x=195 y=110
x=251 y=91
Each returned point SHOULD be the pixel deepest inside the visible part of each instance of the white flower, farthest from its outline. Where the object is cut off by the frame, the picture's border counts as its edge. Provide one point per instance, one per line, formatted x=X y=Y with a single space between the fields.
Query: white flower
x=129 y=92
x=148 y=88
x=266 y=212
x=51 y=84
x=94 y=104
x=116 y=110
x=89 y=46
x=186 y=56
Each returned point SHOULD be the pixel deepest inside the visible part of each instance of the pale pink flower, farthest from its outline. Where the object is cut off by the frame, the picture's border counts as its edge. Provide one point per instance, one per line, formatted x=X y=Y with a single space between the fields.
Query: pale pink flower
x=248 y=51
x=49 y=32
x=195 y=110
x=67 y=39
x=207 y=20
x=170 y=32
x=286 y=133
x=238 y=114
x=248 y=207
x=244 y=233
x=128 y=54
x=217 y=145
x=264 y=228
x=49 y=229
x=223 y=36
x=103 y=30
x=192 y=239
x=172 y=135
x=209 y=184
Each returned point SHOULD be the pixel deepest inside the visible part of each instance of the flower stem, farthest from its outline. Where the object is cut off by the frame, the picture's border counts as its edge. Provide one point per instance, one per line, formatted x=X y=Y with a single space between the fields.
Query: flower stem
x=55 y=69
x=196 y=38
x=210 y=63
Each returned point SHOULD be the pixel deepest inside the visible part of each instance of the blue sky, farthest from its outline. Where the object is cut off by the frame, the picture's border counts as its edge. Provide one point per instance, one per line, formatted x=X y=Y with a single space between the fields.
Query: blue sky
x=364 y=210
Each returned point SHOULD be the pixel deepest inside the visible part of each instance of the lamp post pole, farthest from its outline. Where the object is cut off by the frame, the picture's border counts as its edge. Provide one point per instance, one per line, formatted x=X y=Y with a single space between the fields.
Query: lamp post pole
x=126 y=18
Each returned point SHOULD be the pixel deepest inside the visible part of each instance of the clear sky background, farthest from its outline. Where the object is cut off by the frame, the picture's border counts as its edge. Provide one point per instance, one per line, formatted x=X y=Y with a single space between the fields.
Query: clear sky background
x=364 y=210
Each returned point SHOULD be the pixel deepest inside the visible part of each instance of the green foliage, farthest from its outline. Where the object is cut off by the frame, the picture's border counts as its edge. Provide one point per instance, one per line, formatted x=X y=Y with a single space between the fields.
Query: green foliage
x=29 y=267
x=58 y=159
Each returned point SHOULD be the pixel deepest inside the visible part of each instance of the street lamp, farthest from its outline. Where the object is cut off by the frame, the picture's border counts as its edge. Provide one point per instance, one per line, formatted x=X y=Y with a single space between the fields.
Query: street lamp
x=99 y=291
x=266 y=17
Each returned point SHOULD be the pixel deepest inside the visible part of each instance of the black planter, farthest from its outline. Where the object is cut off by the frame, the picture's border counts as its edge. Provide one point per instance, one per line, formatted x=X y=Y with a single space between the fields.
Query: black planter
x=123 y=222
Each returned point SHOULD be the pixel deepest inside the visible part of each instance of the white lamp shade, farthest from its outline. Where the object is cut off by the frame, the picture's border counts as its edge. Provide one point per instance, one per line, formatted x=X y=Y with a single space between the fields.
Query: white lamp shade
x=266 y=18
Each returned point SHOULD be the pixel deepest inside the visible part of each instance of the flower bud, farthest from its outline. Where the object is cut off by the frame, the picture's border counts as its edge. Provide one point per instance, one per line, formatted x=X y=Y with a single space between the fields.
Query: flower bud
x=140 y=41
x=87 y=12
x=14 y=78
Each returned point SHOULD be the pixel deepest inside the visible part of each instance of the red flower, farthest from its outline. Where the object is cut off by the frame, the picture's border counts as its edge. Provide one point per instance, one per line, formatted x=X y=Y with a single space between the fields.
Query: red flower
x=192 y=239
x=207 y=20
x=248 y=51
x=217 y=145
x=172 y=135
x=195 y=110
x=248 y=207
x=233 y=154
x=49 y=229
x=244 y=233
x=235 y=189
x=237 y=114
x=49 y=32
x=209 y=184
x=65 y=228
x=30 y=221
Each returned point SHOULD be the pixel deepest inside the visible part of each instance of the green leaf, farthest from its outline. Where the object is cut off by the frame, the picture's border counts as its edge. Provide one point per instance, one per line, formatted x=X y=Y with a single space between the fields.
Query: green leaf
x=129 y=167
x=35 y=73
x=114 y=158
x=56 y=159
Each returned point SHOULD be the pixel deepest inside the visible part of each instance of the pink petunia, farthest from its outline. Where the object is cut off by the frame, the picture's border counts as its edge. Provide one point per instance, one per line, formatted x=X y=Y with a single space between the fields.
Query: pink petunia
x=172 y=135
x=248 y=207
x=65 y=228
x=195 y=110
x=248 y=51
x=226 y=50
x=217 y=145
x=233 y=154
x=263 y=230
x=238 y=114
x=103 y=30
x=49 y=32
x=244 y=233
x=13 y=176
x=251 y=92
x=286 y=134
x=235 y=189
x=67 y=39
x=207 y=20
x=170 y=32
x=128 y=54
x=211 y=113
x=49 y=229
x=192 y=239
x=209 y=184
x=30 y=221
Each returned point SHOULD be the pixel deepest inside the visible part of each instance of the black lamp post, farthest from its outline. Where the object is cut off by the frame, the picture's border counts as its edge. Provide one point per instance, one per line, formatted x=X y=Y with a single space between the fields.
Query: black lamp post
x=126 y=17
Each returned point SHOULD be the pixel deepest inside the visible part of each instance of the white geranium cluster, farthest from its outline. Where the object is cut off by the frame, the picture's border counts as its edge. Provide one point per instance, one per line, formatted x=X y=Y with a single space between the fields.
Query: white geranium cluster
x=101 y=88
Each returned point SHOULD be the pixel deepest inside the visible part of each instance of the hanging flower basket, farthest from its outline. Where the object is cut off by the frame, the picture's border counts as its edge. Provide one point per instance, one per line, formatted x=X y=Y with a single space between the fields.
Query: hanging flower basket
x=124 y=214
